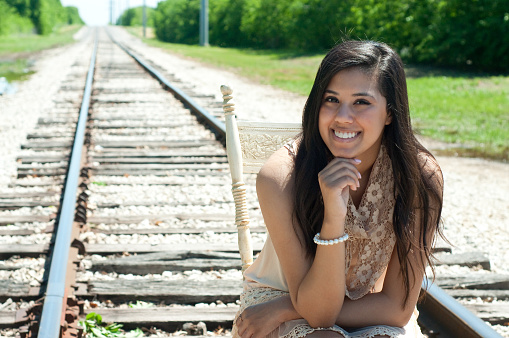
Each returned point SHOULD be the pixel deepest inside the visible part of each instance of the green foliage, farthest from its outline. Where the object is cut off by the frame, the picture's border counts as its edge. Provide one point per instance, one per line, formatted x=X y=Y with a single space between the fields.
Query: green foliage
x=134 y=17
x=22 y=16
x=12 y=22
x=21 y=6
x=93 y=326
x=266 y=23
x=469 y=35
x=178 y=21
x=73 y=16
x=225 y=19
x=48 y=15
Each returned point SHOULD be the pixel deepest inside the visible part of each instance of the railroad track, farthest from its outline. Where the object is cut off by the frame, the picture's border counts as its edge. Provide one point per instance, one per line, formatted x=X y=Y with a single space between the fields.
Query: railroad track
x=150 y=241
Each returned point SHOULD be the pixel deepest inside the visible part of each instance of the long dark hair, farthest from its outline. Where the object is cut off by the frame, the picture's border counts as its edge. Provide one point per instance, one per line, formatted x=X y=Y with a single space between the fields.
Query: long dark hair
x=415 y=188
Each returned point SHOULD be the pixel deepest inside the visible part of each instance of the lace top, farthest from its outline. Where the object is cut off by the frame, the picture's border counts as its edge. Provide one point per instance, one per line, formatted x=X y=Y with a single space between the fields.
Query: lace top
x=369 y=248
x=372 y=237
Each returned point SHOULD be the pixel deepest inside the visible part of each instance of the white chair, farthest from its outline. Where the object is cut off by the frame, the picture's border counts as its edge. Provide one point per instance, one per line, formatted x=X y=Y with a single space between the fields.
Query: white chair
x=249 y=145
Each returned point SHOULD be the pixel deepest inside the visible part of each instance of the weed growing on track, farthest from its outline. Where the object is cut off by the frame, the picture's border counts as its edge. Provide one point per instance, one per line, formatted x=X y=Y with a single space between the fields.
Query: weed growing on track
x=93 y=326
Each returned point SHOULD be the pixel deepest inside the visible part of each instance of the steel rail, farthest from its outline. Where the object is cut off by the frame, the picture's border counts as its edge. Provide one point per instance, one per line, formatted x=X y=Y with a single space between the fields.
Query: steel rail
x=53 y=303
x=444 y=314
x=217 y=126
x=439 y=311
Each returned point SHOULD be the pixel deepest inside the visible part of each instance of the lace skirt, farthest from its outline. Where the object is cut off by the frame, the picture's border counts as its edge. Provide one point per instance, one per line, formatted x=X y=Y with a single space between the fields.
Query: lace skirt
x=300 y=328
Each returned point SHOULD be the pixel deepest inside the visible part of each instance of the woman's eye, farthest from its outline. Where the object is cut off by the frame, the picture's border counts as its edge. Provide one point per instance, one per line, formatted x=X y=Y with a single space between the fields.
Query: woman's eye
x=331 y=99
x=362 y=101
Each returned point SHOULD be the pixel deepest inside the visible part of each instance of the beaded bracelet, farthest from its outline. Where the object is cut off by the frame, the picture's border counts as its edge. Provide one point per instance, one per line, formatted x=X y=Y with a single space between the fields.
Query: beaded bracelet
x=319 y=241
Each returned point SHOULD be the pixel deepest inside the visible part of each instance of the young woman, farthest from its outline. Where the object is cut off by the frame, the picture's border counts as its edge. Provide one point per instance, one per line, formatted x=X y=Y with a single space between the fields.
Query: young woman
x=352 y=207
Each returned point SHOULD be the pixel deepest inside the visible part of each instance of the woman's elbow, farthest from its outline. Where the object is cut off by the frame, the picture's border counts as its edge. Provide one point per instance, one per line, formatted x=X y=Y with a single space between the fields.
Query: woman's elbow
x=401 y=318
x=319 y=313
x=323 y=318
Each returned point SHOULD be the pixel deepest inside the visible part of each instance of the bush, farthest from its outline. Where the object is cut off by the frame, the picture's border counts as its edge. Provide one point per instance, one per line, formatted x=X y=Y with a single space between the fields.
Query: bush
x=73 y=16
x=13 y=22
x=178 y=21
x=47 y=15
x=22 y=7
x=134 y=17
x=225 y=18
x=467 y=34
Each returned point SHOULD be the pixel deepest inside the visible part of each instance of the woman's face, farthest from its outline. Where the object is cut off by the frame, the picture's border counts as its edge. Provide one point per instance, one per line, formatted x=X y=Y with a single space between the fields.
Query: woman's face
x=353 y=116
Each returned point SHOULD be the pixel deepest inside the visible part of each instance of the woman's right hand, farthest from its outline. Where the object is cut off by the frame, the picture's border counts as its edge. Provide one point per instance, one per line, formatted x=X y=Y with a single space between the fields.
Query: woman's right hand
x=336 y=180
x=259 y=320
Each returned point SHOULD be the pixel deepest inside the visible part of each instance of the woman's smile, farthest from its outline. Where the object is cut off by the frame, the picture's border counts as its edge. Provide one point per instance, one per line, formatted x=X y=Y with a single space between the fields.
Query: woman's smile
x=346 y=136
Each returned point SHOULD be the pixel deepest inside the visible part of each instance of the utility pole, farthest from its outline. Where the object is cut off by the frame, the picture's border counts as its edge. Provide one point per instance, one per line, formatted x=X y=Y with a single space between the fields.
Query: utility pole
x=119 y=20
x=111 y=12
x=144 y=19
x=204 y=23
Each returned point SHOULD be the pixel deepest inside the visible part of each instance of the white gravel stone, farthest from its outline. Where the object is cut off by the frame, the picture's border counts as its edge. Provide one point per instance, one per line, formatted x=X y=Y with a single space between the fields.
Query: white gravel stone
x=169 y=275
x=205 y=194
x=154 y=239
x=23 y=275
x=31 y=239
x=30 y=211
x=35 y=226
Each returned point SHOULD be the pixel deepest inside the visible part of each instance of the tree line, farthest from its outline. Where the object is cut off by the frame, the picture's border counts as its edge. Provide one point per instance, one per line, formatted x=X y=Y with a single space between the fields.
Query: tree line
x=467 y=34
x=134 y=17
x=41 y=16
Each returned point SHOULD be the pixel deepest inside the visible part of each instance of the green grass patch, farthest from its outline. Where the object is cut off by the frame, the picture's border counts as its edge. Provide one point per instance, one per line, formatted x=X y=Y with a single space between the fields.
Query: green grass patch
x=469 y=111
x=472 y=112
x=16 y=50
x=17 y=70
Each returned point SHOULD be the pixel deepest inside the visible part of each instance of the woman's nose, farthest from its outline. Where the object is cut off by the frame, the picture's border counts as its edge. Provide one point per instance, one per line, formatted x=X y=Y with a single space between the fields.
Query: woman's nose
x=344 y=114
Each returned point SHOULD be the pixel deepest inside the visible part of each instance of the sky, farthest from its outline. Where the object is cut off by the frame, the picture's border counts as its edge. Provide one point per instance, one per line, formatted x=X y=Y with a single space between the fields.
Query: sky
x=97 y=12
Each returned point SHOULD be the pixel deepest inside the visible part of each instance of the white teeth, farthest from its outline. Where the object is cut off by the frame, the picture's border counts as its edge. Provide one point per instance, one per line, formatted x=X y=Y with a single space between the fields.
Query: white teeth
x=344 y=135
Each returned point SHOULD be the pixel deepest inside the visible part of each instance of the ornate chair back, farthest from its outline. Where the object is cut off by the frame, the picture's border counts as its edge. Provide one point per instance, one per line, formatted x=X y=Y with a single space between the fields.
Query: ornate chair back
x=249 y=145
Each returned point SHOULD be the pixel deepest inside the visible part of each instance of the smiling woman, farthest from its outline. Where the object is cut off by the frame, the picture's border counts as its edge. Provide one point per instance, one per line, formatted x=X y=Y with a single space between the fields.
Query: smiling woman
x=352 y=207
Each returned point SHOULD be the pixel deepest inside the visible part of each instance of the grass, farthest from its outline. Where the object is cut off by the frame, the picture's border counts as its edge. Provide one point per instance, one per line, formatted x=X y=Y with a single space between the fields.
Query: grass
x=16 y=70
x=16 y=50
x=469 y=111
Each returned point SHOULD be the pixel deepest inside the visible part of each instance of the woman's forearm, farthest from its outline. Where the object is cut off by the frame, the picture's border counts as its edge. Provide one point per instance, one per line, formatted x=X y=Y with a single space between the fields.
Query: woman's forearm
x=286 y=310
x=374 y=309
x=320 y=295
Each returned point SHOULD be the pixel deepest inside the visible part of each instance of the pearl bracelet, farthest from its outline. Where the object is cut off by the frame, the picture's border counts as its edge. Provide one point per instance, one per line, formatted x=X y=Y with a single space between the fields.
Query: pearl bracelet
x=319 y=241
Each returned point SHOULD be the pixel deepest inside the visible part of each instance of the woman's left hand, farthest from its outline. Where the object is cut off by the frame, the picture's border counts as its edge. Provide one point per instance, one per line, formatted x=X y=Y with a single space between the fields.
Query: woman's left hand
x=259 y=320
